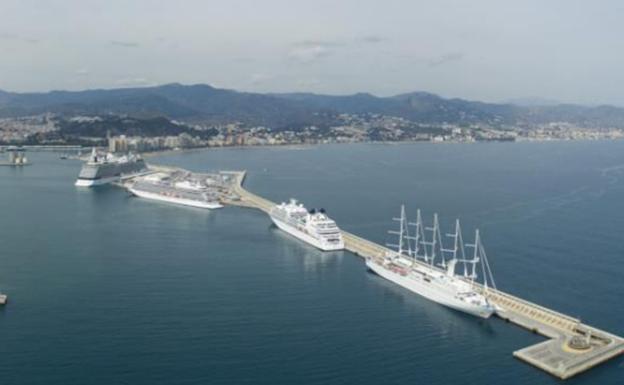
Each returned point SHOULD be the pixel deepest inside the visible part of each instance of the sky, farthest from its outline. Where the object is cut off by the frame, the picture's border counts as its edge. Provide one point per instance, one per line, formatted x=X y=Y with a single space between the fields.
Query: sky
x=567 y=51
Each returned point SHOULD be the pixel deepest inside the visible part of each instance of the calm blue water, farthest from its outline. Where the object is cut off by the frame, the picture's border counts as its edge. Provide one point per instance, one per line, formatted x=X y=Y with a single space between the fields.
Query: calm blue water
x=109 y=289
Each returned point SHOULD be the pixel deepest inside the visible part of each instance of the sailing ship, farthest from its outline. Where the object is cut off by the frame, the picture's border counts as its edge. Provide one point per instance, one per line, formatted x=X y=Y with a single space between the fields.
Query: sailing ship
x=426 y=267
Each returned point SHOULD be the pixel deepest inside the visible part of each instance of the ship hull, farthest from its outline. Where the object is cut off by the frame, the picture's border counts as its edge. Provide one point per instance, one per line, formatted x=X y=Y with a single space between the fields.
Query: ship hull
x=103 y=173
x=306 y=237
x=428 y=291
x=174 y=200
x=95 y=182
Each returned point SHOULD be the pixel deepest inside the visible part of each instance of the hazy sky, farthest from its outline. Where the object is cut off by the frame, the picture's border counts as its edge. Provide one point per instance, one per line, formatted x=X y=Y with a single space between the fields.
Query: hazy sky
x=486 y=50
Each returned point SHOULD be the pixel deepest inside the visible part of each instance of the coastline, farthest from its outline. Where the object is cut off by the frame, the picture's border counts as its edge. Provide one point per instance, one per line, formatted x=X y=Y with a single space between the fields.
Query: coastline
x=304 y=146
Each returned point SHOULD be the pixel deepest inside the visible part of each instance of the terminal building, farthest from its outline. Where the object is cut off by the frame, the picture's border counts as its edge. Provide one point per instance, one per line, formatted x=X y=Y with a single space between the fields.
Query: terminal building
x=118 y=144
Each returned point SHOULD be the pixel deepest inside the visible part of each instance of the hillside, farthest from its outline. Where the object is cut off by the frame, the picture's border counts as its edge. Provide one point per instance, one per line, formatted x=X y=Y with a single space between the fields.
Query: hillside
x=206 y=104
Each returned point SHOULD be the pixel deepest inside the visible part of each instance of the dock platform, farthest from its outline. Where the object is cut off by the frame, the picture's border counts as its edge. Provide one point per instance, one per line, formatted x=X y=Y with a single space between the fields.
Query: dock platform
x=572 y=347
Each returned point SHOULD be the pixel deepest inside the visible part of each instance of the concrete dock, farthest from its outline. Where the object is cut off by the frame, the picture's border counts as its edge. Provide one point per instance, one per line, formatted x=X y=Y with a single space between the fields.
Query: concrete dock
x=571 y=348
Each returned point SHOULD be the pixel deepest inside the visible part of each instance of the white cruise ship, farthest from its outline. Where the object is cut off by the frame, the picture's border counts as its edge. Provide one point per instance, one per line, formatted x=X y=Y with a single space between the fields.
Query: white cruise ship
x=414 y=267
x=186 y=192
x=103 y=169
x=313 y=227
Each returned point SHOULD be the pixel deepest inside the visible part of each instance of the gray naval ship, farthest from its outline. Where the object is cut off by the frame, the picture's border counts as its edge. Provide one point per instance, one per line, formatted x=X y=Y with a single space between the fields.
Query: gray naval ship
x=103 y=169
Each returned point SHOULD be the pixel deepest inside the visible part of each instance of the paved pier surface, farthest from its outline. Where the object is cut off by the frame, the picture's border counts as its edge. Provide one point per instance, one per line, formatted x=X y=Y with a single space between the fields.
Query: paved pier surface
x=572 y=347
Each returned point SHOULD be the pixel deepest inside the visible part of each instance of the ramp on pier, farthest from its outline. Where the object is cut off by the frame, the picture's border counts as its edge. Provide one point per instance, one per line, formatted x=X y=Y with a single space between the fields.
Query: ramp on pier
x=572 y=347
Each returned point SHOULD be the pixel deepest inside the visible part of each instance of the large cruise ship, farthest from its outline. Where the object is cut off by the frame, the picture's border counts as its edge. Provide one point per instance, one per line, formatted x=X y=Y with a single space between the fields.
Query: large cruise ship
x=103 y=169
x=186 y=192
x=428 y=268
x=313 y=227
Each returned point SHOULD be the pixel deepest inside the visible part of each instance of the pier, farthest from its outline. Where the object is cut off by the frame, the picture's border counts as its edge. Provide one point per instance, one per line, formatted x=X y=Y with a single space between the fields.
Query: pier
x=572 y=347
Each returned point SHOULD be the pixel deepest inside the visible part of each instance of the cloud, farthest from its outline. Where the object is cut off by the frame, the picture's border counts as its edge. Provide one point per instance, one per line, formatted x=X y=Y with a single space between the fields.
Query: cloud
x=82 y=71
x=371 y=39
x=260 y=78
x=162 y=41
x=244 y=59
x=315 y=43
x=126 y=44
x=12 y=36
x=308 y=51
x=8 y=36
x=133 y=82
x=307 y=84
x=446 y=58
x=309 y=54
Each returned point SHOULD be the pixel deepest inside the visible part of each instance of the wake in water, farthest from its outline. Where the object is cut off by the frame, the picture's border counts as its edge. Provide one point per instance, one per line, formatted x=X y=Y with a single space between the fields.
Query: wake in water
x=613 y=173
x=532 y=209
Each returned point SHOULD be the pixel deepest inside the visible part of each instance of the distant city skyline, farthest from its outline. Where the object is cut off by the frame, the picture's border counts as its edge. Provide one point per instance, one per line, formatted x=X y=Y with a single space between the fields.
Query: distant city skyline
x=568 y=51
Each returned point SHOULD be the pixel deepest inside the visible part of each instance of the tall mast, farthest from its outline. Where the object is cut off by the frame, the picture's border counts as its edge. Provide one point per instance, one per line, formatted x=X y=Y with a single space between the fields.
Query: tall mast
x=477 y=253
x=455 y=237
x=434 y=240
x=432 y=244
x=400 y=233
x=462 y=251
x=486 y=265
x=405 y=227
x=419 y=236
x=475 y=258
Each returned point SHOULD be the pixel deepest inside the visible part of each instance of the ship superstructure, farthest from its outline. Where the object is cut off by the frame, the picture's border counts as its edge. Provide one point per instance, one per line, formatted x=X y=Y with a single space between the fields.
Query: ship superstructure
x=424 y=266
x=183 y=190
x=313 y=227
x=106 y=168
x=17 y=157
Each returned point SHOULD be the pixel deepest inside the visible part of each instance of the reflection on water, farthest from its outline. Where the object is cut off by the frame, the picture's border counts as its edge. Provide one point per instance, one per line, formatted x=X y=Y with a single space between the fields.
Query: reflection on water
x=445 y=320
x=293 y=248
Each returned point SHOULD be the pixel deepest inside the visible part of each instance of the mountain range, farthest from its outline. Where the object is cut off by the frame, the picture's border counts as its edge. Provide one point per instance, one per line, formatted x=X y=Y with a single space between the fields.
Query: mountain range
x=205 y=104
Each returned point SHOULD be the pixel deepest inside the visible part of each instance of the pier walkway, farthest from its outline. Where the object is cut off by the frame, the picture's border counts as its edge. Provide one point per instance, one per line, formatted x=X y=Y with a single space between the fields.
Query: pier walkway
x=571 y=348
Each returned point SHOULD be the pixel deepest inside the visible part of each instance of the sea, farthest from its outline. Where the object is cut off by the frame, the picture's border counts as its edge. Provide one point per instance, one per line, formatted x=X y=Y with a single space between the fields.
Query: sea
x=105 y=288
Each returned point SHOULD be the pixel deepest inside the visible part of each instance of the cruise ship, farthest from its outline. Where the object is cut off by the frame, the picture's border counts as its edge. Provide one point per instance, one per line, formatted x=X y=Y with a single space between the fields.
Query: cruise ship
x=313 y=227
x=427 y=268
x=103 y=169
x=17 y=157
x=186 y=192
